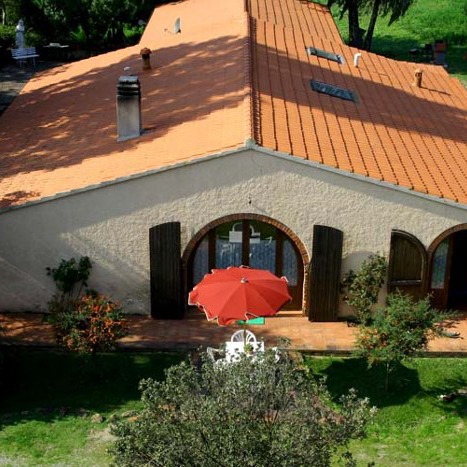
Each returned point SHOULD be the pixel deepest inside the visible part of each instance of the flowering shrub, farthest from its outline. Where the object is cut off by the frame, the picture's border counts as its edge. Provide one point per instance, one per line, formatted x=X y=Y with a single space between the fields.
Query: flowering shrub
x=85 y=322
x=93 y=325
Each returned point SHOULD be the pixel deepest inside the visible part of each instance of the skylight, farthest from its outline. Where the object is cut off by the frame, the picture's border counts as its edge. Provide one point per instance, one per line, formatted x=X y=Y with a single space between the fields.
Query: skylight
x=332 y=90
x=322 y=53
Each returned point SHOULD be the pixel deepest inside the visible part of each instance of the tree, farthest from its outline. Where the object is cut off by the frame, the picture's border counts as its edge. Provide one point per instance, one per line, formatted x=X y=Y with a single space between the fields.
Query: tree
x=9 y=10
x=97 y=23
x=394 y=8
x=398 y=331
x=251 y=412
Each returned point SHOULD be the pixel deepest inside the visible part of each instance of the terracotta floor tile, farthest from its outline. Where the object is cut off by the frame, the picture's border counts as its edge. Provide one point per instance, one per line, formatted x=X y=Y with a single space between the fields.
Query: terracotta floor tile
x=28 y=329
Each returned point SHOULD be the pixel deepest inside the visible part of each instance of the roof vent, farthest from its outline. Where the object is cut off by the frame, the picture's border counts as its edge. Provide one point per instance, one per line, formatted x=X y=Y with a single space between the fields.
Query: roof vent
x=128 y=108
x=177 y=26
x=417 y=78
x=356 y=59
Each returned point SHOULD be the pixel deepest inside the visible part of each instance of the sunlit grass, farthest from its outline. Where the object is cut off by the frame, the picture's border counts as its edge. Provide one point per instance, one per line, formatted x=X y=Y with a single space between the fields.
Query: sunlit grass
x=413 y=426
x=425 y=22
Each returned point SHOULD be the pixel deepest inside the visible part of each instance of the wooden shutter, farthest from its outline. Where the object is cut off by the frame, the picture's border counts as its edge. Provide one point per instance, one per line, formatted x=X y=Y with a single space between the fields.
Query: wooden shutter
x=407 y=264
x=166 y=278
x=325 y=273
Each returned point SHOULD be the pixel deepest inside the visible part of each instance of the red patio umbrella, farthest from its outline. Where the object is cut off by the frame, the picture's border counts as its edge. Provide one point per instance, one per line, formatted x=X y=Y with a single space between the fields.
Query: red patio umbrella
x=239 y=293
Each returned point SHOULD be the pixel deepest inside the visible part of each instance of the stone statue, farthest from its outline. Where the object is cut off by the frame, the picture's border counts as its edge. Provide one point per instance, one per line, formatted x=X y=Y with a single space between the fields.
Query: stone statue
x=20 y=34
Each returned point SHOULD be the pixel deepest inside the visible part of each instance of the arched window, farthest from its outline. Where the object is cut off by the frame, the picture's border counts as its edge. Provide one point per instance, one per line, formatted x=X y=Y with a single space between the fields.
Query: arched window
x=248 y=242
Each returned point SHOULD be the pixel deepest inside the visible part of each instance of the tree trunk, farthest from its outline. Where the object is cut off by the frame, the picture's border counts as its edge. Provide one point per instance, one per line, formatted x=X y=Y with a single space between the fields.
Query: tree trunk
x=371 y=25
x=355 y=33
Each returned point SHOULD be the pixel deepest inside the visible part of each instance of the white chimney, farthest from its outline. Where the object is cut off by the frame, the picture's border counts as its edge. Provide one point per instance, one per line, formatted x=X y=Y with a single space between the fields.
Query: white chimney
x=129 y=123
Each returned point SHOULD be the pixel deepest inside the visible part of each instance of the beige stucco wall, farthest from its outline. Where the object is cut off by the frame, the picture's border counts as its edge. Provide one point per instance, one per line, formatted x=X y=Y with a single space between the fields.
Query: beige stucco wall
x=110 y=224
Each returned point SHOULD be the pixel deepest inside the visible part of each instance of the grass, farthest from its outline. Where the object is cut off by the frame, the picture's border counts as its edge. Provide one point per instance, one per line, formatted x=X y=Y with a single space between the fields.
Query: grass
x=413 y=426
x=425 y=22
x=52 y=403
x=55 y=407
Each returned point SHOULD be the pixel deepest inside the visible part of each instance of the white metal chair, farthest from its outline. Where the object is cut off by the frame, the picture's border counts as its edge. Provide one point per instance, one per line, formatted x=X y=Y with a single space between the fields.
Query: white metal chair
x=215 y=354
x=243 y=336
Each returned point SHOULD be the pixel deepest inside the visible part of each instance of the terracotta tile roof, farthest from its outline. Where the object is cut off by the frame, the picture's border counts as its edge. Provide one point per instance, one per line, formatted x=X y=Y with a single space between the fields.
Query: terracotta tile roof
x=396 y=132
x=60 y=132
x=232 y=75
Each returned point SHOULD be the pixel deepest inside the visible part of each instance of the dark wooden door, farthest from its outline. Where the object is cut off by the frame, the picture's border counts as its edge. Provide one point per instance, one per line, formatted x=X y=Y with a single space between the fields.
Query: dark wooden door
x=166 y=278
x=325 y=273
x=407 y=265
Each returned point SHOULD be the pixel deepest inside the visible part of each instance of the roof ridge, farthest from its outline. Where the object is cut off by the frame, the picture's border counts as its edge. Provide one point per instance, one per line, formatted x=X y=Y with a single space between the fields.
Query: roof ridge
x=248 y=75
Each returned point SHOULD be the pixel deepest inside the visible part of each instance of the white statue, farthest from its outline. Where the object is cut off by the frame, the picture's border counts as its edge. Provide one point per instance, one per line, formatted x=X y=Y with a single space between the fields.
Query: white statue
x=20 y=34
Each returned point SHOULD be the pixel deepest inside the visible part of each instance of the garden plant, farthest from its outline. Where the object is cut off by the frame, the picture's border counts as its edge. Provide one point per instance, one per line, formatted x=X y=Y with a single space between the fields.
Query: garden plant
x=399 y=331
x=251 y=412
x=84 y=320
x=361 y=288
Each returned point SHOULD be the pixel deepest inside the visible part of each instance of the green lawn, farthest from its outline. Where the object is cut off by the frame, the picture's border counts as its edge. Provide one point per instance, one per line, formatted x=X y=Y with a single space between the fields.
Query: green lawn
x=50 y=402
x=413 y=427
x=425 y=22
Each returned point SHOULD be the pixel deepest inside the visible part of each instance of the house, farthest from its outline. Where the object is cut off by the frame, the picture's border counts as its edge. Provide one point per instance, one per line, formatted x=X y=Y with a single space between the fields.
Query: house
x=265 y=141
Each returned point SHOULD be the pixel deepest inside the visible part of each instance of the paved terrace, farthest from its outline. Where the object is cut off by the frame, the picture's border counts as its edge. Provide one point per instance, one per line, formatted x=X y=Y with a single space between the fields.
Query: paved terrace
x=29 y=329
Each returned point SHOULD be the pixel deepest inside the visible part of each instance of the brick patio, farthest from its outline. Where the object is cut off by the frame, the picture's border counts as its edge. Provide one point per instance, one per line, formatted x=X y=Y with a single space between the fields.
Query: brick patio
x=28 y=329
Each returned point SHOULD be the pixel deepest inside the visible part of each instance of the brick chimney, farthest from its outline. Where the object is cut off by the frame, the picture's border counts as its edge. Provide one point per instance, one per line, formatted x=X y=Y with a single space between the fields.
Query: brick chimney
x=129 y=123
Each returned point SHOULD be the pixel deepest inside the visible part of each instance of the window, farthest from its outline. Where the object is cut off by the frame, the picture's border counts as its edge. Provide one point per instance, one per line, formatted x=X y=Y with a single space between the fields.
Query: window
x=323 y=54
x=331 y=90
x=440 y=260
x=250 y=243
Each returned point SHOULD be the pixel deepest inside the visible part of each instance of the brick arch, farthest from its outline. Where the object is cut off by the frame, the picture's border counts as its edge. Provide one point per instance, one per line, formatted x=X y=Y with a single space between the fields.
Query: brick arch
x=192 y=244
x=442 y=236
x=298 y=245
x=453 y=293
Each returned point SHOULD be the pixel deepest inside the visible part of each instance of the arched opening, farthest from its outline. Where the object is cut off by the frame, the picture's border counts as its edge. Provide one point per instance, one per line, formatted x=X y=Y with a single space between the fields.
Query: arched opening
x=249 y=240
x=447 y=281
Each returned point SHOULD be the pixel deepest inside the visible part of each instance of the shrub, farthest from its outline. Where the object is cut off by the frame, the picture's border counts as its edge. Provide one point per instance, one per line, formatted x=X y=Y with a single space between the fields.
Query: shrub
x=251 y=412
x=361 y=288
x=7 y=35
x=93 y=325
x=399 y=331
x=84 y=320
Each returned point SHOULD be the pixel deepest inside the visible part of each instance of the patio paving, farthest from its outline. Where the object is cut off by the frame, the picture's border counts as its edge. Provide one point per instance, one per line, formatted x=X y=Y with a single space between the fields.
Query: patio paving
x=29 y=329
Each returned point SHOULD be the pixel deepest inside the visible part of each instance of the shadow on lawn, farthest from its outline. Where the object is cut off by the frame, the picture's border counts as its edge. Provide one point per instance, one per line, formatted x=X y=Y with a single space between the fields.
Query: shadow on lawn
x=369 y=382
x=46 y=385
x=451 y=396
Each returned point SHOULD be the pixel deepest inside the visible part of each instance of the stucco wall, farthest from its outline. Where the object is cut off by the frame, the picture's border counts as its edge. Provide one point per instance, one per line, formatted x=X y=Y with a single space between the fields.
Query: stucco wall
x=110 y=224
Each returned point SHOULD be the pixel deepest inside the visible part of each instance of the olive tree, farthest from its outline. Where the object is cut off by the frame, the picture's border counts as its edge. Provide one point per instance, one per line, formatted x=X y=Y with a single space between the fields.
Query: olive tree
x=399 y=331
x=251 y=412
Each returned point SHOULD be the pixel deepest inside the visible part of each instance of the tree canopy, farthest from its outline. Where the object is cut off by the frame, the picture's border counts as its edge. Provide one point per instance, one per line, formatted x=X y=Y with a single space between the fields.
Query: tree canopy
x=91 y=22
x=358 y=37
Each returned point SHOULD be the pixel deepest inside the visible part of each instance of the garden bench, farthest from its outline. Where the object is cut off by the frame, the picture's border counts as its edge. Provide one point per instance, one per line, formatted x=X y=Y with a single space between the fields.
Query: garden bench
x=22 y=55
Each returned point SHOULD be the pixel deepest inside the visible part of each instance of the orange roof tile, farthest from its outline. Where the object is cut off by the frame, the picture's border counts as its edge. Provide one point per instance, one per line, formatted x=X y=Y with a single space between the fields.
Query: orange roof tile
x=232 y=75
x=396 y=132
